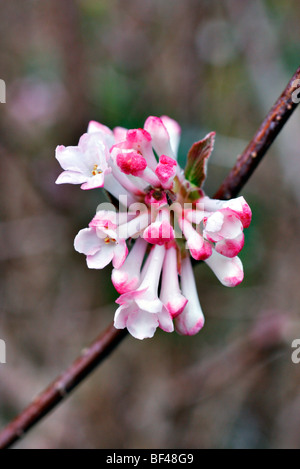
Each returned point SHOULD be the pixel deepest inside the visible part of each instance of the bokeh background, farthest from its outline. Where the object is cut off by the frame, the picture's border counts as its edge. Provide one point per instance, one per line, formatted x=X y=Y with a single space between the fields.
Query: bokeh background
x=211 y=65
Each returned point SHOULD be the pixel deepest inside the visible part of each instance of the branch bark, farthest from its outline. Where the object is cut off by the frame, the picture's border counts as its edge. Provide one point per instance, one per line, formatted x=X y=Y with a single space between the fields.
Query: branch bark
x=59 y=389
x=260 y=143
x=110 y=339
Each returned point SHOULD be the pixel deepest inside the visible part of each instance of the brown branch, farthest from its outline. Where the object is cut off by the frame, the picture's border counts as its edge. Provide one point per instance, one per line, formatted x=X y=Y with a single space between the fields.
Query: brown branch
x=262 y=140
x=109 y=340
x=59 y=389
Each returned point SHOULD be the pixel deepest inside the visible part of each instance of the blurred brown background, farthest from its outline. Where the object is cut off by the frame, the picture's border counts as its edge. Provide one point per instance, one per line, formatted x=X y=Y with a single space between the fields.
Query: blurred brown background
x=211 y=65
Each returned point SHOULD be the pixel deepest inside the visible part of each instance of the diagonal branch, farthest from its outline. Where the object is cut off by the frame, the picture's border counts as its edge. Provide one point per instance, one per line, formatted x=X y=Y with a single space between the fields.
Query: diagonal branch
x=110 y=338
x=59 y=389
x=262 y=140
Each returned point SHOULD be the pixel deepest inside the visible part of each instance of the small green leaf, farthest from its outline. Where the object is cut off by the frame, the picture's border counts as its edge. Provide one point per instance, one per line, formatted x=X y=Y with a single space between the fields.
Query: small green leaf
x=195 y=170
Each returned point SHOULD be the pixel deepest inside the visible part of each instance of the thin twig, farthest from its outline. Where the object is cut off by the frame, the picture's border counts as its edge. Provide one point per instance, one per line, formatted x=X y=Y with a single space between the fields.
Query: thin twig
x=109 y=340
x=262 y=140
x=59 y=389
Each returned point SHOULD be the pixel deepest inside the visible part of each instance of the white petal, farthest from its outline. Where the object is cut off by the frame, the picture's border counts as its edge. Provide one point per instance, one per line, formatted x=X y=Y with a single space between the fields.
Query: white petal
x=242 y=209
x=121 y=316
x=160 y=136
x=127 y=278
x=170 y=293
x=175 y=304
x=96 y=127
x=94 y=150
x=238 y=205
x=228 y=270
x=70 y=158
x=230 y=247
x=174 y=132
x=102 y=258
x=120 y=254
x=142 y=325
x=232 y=226
x=93 y=182
x=165 y=320
x=70 y=177
x=120 y=134
x=87 y=242
x=123 y=282
x=215 y=222
x=223 y=224
x=150 y=303
x=191 y=320
x=151 y=278
x=199 y=248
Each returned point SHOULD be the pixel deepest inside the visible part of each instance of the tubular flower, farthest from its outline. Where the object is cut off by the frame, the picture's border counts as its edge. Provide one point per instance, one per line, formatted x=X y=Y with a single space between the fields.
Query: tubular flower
x=164 y=220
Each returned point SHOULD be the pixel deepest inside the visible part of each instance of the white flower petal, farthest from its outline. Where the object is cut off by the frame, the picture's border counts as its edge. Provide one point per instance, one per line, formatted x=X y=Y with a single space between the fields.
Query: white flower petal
x=232 y=226
x=238 y=205
x=150 y=303
x=142 y=325
x=70 y=177
x=87 y=242
x=120 y=134
x=230 y=247
x=215 y=222
x=123 y=282
x=223 y=224
x=120 y=254
x=121 y=316
x=242 y=209
x=170 y=293
x=199 y=248
x=70 y=158
x=93 y=182
x=165 y=320
x=102 y=258
x=191 y=320
x=228 y=270
x=160 y=136
x=127 y=277
x=174 y=132
x=94 y=150
x=96 y=127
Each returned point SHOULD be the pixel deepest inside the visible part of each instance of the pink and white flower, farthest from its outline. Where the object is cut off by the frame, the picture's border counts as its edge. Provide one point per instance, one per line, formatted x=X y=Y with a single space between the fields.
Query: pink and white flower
x=167 y=211
x=191 y=320
x=166 y=170
x=127 y=277
x=160 y=136
x=228 y=270
x=171 y=296
x=225 y=229
x=238 y=205
x=160 y=232
x=141 y=311
x=86 y=164
x=200 y=248
x=100 y=242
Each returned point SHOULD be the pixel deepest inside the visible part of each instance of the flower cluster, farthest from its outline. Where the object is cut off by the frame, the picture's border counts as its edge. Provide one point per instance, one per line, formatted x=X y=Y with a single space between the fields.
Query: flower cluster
x=164 y=220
